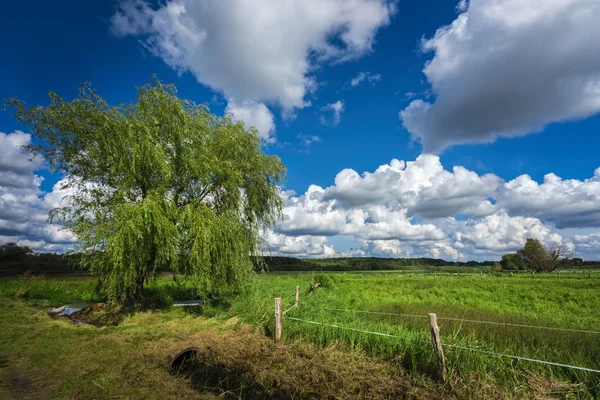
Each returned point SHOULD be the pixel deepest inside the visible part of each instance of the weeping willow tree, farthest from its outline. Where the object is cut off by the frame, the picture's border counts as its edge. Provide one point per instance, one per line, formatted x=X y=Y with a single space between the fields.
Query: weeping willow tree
x=160 y=184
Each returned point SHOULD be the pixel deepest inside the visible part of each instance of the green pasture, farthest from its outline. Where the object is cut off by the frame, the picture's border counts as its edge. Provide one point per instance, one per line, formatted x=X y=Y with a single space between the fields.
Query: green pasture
x=570 y=301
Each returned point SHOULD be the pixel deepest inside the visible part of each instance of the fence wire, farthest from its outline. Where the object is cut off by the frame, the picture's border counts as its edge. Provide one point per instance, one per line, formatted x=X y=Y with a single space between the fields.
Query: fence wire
x=451 y=346
x=492 y=353
x=292 y=307
x=358 y=330
x=469 y=320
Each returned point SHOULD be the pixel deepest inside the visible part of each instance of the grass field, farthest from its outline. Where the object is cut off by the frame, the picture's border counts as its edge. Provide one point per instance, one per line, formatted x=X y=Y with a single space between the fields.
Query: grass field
x=568 y=301
x=544 y=300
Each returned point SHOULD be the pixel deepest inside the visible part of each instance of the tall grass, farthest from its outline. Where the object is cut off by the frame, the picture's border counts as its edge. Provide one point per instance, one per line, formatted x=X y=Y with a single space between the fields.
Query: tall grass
x=569 y=301
x=54 y=292
x=543 y=300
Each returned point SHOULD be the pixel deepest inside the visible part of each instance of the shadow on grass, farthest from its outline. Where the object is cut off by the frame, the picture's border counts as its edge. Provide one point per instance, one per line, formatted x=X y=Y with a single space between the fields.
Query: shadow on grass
x=209 y=375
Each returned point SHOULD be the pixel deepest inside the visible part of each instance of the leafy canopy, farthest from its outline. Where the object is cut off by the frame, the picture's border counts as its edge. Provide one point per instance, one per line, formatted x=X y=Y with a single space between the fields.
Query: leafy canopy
x=513 y=261
x=13 y=252
x=543 y=259
x=158 y=184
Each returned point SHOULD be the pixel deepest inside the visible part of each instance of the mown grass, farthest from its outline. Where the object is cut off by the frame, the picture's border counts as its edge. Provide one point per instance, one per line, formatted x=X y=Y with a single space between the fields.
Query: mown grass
x=569 y=301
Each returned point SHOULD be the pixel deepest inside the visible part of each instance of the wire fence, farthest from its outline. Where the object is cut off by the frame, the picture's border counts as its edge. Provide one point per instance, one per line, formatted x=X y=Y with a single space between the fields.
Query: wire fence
x=492 y=353
x=358 y=330
x=469 y=320
x=448 y=345
x=289 y=309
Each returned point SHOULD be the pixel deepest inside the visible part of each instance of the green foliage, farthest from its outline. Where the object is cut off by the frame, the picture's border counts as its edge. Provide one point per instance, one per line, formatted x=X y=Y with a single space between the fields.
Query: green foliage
x=543 y=259
x=158 y=184
x=12 y=252
x=513 y=262
x=277 y=263
x=320 y=281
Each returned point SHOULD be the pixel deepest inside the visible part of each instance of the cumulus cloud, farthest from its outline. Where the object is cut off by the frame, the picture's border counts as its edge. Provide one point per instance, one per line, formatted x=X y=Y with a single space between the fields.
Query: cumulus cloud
x=23 y=206
x=420 y=209
x=297 y=246
x=259 y=51
x=499 y=233
x=402 y=209
x=16 y=166
x=508 y=68
x=254 y=115
x=336 y=109
x=587 y=245
x=569 y=203
x=422 y=187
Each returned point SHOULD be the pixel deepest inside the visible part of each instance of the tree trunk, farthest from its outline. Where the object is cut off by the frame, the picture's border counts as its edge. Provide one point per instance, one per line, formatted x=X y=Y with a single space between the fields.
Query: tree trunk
x=139 y=291
x=136 y=297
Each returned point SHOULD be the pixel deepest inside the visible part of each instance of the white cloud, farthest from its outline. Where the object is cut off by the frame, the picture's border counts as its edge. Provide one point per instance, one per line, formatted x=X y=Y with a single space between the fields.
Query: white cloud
x=308 y=140
x=254 y=115
x=23 y=206
x=500 y=233
x=365 y=76
x=587 y=245
x=422 y=187
x=566 y=202
x=16 y=166
x=420 y=209
x=357 y=79
x=384 y=248
x=336 y=110
x=255 y=51
x=298 y=246
x=404 y=208
x=508 y=68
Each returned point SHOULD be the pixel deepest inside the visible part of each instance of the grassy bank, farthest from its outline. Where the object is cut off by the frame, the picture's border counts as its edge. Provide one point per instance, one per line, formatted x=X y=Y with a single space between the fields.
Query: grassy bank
x=567 y=301
x=45 y=358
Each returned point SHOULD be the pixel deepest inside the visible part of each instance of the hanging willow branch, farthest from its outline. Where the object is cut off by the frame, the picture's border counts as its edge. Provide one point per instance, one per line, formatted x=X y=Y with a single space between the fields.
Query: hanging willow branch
x=158 y=184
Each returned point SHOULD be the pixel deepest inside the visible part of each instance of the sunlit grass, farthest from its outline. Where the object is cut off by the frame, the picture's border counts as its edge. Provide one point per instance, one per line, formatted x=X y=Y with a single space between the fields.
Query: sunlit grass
x=544 y=300
x=567 y=301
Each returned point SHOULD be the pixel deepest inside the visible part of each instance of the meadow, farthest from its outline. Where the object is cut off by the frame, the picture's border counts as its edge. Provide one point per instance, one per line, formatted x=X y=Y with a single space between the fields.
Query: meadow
x=370 y=302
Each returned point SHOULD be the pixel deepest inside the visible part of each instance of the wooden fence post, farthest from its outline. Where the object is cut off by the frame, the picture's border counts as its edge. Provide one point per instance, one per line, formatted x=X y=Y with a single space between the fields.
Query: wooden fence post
x=297 y=304
x=437 y=346
x=277 y=319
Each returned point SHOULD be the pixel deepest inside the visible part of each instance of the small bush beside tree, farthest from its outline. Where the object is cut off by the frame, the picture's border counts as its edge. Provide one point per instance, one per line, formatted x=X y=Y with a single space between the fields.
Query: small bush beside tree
x=513 y=262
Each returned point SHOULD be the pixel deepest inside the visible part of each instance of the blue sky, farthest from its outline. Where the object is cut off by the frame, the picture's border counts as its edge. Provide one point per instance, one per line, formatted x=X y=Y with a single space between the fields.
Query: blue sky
x=506 y=89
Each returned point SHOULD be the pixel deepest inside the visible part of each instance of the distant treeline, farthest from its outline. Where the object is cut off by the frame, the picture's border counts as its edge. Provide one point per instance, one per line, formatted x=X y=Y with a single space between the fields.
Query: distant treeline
x=361 y=264
x=16 y=260
x=277 y=263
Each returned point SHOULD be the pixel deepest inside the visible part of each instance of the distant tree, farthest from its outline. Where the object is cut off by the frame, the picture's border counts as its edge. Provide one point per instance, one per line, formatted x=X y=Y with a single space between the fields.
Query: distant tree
x=577 y=262
x=158 y=184
x=541 y=258
x=13 y=252
x=513 y=262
